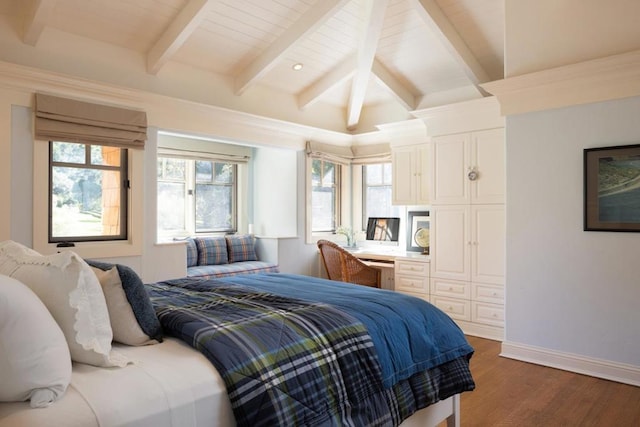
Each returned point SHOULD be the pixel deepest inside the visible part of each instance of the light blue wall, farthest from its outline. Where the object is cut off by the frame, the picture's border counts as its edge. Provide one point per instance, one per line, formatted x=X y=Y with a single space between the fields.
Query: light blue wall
x=568 y=290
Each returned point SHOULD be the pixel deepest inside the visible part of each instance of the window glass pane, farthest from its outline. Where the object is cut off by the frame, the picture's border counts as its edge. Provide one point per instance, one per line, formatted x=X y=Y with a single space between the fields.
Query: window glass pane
x=224 y=173
x=328 y=174
x=324 y=196
x=323 y=209
x=316 y=168
x=386 y=174
x=171 y=206
x=373 y=174
x=172 y=169
x=377 y=192
x=85 y=202
x=68 y=152
x=204 y=171
x=213 y=208
x=105 y=156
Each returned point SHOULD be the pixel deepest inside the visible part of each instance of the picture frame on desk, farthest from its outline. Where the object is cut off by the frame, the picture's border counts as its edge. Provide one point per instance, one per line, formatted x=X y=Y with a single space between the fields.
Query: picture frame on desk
x=415 y=221
x=612 y=188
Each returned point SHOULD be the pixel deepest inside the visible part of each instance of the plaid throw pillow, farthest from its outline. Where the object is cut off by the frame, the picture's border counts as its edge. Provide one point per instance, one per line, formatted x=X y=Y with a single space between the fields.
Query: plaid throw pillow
x=192 y=252
x=241 y=248
x=211 y=250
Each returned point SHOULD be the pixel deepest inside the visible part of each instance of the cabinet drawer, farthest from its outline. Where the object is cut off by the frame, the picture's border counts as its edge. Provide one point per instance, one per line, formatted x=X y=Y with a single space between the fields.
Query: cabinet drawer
x=450 y=288
x=490 y=314
x=412 y=284
x=487 y=293
x=412 y=268
x=457 y=309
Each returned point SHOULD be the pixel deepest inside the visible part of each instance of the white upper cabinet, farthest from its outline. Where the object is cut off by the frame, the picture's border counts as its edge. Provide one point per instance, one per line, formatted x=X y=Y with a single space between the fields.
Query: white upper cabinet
x=468 y=168
x=410 y=174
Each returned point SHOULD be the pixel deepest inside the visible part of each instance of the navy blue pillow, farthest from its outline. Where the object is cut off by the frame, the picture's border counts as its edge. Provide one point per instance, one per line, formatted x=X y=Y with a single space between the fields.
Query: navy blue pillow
x=137 y=297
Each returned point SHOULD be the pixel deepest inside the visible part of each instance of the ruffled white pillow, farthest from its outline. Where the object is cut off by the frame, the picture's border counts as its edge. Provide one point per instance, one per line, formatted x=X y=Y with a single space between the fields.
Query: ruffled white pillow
x=34 y=357
x=67 y=286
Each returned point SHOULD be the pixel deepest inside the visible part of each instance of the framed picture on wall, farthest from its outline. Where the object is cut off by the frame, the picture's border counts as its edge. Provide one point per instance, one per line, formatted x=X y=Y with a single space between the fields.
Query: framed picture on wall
x=418 y=228
x=612 y=188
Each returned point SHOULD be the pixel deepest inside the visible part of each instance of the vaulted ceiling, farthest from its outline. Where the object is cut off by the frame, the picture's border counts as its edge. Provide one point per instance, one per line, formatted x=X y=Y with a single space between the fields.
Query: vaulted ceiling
x=355 y=54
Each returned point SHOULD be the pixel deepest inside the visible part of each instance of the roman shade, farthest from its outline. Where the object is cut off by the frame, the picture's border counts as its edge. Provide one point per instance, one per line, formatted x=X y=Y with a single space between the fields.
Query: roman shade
x=359 y=154
x=69 y=120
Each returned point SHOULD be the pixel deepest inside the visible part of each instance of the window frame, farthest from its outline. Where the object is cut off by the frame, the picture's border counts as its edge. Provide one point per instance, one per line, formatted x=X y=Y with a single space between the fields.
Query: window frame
x=344 y=200
x=191 y=192
x=364 y=187
x=130 y=247
x=123 y=168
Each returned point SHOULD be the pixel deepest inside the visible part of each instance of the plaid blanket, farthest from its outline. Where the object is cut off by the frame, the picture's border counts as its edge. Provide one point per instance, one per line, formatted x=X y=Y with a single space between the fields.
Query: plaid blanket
x=288 y=362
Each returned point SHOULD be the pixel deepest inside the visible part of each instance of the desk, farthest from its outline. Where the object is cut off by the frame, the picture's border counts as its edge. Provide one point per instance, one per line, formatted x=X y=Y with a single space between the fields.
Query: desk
x=401 y=271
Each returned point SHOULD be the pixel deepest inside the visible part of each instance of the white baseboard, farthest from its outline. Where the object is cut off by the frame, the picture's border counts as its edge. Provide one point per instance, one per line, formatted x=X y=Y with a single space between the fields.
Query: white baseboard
x=620 y=372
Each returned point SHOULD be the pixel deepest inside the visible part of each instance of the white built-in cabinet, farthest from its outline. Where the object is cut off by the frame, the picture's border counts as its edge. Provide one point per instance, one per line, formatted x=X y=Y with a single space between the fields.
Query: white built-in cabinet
x=468 y=229
x=410 y=165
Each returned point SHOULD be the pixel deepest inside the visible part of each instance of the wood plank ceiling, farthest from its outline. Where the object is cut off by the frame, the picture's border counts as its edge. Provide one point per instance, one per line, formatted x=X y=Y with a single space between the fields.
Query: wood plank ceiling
x=355 y=53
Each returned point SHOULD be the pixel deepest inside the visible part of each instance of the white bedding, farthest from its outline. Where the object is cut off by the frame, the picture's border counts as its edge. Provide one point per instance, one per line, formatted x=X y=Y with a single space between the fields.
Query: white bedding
x=169 y=384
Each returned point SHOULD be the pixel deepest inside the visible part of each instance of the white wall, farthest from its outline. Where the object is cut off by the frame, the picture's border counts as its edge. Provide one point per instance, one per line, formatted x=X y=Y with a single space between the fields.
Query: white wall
x=568 y=290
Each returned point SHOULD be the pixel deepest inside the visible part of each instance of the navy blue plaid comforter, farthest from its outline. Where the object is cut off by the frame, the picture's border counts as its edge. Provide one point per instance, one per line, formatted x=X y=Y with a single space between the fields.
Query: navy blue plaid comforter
x=288 y=361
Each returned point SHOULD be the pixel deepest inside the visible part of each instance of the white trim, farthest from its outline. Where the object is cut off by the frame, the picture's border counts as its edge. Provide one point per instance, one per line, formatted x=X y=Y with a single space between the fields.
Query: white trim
x=467 y=116
x=602 y=79
x=620 y=372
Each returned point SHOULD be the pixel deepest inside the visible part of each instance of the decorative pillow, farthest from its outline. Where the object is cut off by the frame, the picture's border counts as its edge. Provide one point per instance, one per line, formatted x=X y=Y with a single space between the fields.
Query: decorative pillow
x=123 y=321
x=35 y=363
x=71 y=291
x=241 y=248
x=192 y=252
x=212 y=250
x=137 y=298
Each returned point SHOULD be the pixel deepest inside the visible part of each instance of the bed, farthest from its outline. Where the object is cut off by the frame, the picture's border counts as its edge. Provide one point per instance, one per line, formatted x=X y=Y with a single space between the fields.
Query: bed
x=273 y=349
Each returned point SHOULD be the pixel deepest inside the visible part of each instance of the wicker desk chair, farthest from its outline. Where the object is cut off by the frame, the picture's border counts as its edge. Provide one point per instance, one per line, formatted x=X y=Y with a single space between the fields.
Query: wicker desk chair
x=343 y=266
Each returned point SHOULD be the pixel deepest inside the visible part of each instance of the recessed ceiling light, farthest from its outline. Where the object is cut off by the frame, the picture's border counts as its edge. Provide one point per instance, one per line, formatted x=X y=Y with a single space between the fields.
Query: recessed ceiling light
x=297 y=67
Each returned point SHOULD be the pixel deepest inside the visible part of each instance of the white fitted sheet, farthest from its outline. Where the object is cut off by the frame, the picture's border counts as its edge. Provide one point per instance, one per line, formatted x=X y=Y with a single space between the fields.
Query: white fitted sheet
x=169 y=384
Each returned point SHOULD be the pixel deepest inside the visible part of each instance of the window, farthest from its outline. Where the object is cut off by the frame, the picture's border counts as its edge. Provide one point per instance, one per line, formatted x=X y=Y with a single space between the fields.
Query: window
x=88 y=189
x=376 y=192
x=325 y=195
x=196 y=196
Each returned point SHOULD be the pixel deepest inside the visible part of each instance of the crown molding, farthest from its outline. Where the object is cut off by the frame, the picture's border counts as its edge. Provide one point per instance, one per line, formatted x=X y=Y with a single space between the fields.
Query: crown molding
x=467 y=116
x=602 y=79
x=176 y=114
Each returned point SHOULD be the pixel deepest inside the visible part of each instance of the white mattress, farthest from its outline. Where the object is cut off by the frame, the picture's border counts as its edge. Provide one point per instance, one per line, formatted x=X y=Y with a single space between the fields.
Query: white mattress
x=169 y=384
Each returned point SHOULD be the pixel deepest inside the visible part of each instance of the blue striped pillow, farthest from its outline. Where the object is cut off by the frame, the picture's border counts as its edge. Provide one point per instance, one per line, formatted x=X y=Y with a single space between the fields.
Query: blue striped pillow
x=212 y=250
x=241 y=248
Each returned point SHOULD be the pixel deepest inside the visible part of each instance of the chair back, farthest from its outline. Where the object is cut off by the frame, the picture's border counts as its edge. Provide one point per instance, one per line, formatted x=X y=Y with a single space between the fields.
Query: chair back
x=343 y=266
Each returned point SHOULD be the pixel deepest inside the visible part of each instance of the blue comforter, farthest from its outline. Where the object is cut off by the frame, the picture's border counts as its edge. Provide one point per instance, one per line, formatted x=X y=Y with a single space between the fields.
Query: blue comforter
x=410 y=335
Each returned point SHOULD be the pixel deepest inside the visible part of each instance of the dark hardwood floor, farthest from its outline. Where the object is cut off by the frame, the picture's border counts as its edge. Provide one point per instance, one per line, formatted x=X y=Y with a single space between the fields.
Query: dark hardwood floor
x=513 y=393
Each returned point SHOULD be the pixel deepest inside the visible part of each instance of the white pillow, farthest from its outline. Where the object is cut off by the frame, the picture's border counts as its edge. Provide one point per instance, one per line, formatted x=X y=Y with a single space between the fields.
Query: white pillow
x=67 y=286
x=34 y=357
x=124 y=325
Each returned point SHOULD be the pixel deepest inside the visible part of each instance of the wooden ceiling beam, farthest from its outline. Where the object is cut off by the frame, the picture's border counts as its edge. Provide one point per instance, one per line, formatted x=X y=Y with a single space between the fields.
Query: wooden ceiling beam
x=177 y=33
x=434 y=17
x=307 y=24
x=36 y=19
x=393 y=86
x=328 y=81
x=374 y=20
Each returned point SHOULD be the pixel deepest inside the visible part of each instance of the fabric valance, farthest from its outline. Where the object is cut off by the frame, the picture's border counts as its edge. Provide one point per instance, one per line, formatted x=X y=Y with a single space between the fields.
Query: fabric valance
x=69 y=120
x=359 y=154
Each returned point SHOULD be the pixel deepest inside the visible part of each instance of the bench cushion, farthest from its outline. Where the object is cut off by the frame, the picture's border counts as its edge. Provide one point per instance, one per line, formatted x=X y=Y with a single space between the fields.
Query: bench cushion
x=234 y=269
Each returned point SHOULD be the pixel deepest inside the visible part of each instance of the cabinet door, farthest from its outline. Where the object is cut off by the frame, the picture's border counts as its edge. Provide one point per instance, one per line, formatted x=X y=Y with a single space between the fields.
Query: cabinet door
x=487 y=158
x=450 y=161
x=423 y=177
x=450 y=239
x=403 y=167
x=488 y=243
